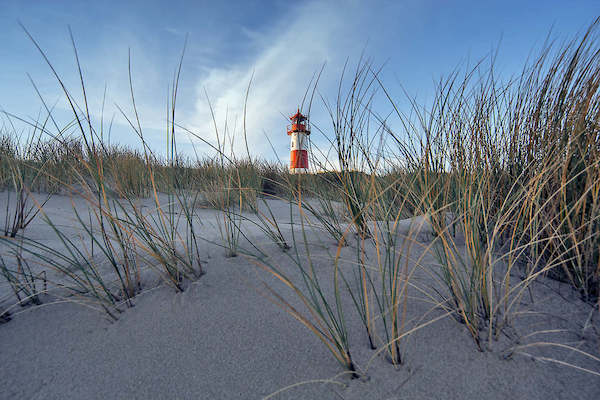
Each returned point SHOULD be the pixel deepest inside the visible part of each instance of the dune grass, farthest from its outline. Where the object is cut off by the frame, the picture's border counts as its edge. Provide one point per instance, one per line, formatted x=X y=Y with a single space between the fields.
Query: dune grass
x=505 y=175
x=511 y=170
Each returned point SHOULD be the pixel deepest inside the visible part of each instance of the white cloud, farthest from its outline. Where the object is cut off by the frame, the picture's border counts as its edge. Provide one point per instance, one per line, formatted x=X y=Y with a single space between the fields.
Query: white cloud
x=281 y=60
x=293 y=51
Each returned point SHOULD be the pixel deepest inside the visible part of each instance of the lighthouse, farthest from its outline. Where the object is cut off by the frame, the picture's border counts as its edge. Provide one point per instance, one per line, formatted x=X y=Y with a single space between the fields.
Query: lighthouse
x=298 y=132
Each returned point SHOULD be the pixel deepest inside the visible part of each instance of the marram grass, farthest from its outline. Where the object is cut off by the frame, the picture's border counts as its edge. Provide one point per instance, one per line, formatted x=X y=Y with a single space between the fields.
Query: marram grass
x=505 y=175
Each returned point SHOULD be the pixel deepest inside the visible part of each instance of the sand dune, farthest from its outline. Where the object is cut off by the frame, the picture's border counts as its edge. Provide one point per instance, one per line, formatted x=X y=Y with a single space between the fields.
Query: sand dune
x=222 y=338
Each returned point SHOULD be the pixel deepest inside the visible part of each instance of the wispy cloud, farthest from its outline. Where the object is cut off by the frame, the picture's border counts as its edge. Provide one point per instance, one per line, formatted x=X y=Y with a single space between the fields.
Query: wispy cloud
x=292 y=52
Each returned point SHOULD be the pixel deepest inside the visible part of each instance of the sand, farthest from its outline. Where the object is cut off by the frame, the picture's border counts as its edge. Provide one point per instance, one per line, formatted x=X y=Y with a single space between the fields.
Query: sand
x=222 y=338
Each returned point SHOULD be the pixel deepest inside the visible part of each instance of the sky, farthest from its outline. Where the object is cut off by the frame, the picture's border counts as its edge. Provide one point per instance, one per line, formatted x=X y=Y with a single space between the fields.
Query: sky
x=274 y=48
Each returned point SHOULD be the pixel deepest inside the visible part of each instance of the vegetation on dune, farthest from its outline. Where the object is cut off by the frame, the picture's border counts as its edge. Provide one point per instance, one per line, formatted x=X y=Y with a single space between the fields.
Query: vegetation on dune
x=504 y=175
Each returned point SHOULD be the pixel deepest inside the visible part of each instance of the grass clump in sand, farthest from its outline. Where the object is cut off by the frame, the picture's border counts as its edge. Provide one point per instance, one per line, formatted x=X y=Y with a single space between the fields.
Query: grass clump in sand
x=117 y=228
x=507 y=169
x=506 y=175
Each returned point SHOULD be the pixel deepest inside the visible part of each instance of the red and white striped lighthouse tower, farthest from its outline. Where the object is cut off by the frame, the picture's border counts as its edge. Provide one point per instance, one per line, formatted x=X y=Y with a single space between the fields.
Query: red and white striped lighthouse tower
x=298 y=132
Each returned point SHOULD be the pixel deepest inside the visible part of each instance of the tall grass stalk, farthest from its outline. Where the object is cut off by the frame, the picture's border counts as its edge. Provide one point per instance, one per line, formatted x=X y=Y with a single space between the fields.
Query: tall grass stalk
x=324 y=315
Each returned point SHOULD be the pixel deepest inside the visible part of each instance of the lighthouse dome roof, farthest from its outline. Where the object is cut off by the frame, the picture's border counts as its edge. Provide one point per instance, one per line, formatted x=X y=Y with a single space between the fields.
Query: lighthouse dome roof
x=298 y=117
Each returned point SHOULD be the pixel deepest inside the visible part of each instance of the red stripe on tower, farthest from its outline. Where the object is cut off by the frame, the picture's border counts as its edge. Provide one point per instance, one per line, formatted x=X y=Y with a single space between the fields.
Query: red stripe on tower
x=298 y=159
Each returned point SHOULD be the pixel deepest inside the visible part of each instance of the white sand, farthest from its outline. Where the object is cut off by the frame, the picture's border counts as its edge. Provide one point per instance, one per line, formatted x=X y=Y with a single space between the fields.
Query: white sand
x=222 y=339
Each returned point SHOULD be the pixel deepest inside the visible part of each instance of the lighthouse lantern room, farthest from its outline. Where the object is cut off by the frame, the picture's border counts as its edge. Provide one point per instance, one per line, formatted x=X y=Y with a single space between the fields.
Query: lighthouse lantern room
x=298 y=132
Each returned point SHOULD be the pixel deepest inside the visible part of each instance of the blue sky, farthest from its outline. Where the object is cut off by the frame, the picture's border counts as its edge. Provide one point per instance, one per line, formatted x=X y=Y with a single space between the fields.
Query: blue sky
x=280 y=43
